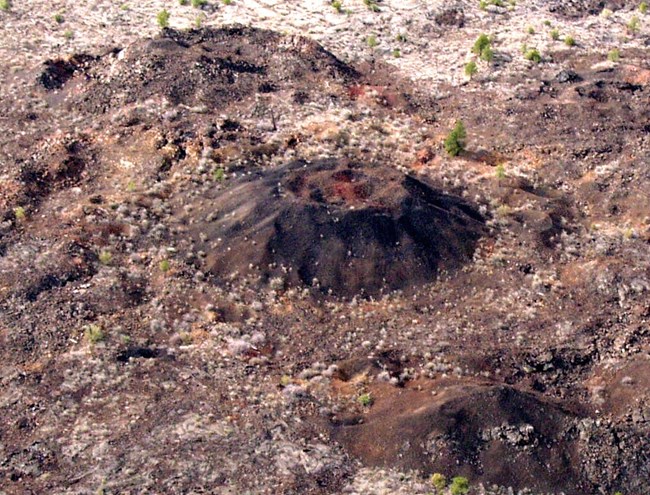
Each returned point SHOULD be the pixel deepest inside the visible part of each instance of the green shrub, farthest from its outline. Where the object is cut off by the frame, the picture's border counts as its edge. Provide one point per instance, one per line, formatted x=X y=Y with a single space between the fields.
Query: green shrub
x=439 y=482
x=58 y=18
x=372 y=41
x=372 y=5
x=533 y=55
x=643 y=7
x=531 y=30
x=482 y=5
x=569 y=41
x=397 y=53
x=68 y=34
x=401 y=38
x=183 y=3
x=105 y=258
x=455 y=141
x=487 y=54
x=338 y=6
x=365 y=400
x=614 y=55
x=197 y=4
x=163 y=18
x=482 y=42
x=5 y=5
x=94 y=334
x=555 y=34
x=226 y=2
x=470 y=69
x=500 y=171
x=459 y=485
x=19 y=213
x=165 y=265
x=547 y=23
x=634 y=24
x=219 y=174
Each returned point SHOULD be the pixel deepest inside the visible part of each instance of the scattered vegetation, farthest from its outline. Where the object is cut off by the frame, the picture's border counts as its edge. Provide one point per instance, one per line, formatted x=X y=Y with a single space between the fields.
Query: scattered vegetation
x=183 y=3
x=338 y=6
x=643 y=7
x=197 y=4
x=5 y=5
x=219 y=174
x=470 y=69
x=365 y=400
x=19 y=213
x=500 y=171
x=634 y=25
x=371 y=41
x=533 y=55
x=373 y=5
x=105 y=258
x=163 y=18
x=165 y=265
x=459 y=485
x=547 y=23
x=439 y=482
x=481 y=43
x=569 y=41
x=397 y=53
x=94 y=334
x=68 y=34
x=614 y=55
x=531 y=30
x=401 y=38
x=58 y=18
x=455 y=141
x=226 y=2
x=555 y=34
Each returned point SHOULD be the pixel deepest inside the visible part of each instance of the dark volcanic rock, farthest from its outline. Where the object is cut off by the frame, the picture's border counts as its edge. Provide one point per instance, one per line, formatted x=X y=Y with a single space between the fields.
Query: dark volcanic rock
x=344 y=228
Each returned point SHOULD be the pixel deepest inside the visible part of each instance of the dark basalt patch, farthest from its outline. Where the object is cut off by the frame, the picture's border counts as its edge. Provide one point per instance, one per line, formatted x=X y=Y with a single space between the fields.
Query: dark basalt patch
x=467 y=427
x=343 y=228
x=206 y=67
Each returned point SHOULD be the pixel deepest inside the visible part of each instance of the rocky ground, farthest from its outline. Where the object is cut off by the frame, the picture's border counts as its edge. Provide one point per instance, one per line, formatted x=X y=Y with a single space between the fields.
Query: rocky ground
x=236 y=258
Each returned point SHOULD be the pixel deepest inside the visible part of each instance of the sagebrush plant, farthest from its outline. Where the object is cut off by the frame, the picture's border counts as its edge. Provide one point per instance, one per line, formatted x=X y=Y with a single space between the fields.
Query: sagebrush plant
x=470 y=69
x=455 y=141
x=105 y=258
x=371 y=41
x=439 y=482
x=68 y=34
x=58 y=18
x=614 y=55
x=337 y=5
x=94 y=334
x=569 y=41
x=634 y=25
x=365 y=400
x=20 y=213
x=397 y=53
x=5 y=5
x=531 y=30
x=163 y=18
x=219 y=174
x=459 y=485
x=165 y=265
x=197 y=4
x=555 y=34
x=533 y=55
x=372 y=5
x=643 y=7
x=482 y=48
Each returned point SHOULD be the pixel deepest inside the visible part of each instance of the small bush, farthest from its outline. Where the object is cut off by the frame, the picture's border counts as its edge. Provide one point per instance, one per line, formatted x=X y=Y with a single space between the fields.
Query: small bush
x=470 y=69
x=371 y=41
x=68 y=34
x=459 y=486
x=183 y=3
x=533 y=55
x=5 y=5
x=455 y=141
x=500 y=171
x=19 y=213
x=338 y=6
x=219 y=174
x=105 y=258
x=58 y=18
x=547 y=23
x=614 y=55
x=397 y=53
x=487 y=54
x=569 y=41
x=555 y=34
x=365 y=400
x=401 y=38
x=373 y=5
x=531 y=30
x=165 y=265
x=481 y=43
x=163 y=18
x=482 y=5
x=226 y=2
x=643 y=7
x=94 y=334
x=634 y=25
x=439 y=481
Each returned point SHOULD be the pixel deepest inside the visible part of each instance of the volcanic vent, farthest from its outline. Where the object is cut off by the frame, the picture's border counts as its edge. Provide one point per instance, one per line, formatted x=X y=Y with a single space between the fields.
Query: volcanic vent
x=341 y=227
